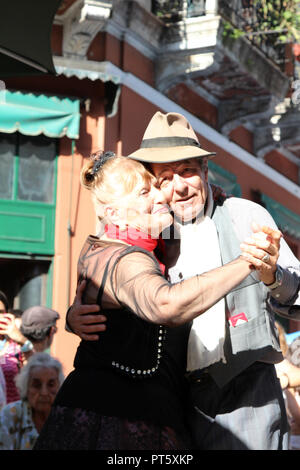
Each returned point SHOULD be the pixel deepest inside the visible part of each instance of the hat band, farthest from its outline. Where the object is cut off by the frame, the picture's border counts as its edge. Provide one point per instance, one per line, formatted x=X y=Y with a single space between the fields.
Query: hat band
x=160 y=142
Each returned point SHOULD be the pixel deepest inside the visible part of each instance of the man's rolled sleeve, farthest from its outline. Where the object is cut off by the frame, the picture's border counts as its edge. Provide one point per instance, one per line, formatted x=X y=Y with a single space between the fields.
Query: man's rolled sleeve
x=285 y=299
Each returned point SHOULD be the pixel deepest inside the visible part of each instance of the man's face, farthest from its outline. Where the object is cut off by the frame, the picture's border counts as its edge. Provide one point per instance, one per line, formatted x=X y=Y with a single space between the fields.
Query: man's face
x=184 y=185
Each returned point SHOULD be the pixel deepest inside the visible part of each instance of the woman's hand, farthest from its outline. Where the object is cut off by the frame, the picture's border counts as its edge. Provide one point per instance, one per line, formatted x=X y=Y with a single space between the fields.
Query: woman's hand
x=8 y=327
x=262 y=250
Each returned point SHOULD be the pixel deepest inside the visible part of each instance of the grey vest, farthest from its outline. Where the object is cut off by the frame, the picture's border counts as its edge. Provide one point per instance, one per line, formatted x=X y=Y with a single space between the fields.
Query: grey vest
x=257 y=339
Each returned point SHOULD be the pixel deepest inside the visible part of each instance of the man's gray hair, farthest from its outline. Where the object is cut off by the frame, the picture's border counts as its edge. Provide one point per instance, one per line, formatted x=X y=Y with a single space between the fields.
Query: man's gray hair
x=40 y=359
x=203 y=162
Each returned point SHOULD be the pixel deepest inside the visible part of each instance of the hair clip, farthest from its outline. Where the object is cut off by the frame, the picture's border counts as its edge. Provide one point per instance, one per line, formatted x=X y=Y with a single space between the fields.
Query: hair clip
x=99 y=160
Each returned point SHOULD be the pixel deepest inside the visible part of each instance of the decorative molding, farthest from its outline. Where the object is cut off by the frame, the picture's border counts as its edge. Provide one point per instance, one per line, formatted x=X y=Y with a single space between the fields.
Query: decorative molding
x=80 y=28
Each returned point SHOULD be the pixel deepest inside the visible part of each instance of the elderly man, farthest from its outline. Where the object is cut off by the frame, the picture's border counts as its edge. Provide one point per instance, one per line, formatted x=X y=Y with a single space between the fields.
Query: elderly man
x=39 y=327
x=235 y=397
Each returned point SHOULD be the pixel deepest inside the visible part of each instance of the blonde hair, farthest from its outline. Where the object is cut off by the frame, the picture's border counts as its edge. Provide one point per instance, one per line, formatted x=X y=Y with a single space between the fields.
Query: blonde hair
x=110 y=178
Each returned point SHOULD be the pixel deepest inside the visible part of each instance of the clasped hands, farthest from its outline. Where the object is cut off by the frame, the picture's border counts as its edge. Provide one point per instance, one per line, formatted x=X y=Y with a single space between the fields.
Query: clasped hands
x=262 y=251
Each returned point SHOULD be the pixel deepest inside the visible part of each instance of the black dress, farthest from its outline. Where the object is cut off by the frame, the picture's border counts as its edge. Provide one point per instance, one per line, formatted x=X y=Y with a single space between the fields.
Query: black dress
x=127 y=390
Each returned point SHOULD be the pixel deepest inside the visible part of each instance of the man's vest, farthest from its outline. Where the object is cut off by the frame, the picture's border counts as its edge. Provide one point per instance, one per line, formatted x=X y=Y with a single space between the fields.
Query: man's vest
x=255 y=339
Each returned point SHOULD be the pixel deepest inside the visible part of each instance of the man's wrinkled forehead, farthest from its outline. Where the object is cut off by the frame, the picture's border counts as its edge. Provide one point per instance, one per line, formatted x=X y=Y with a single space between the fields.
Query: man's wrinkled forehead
x=159 y=168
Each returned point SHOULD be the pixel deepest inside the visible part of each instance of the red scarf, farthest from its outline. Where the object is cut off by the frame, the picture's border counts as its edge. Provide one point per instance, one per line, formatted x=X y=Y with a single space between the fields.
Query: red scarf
x=134 y=237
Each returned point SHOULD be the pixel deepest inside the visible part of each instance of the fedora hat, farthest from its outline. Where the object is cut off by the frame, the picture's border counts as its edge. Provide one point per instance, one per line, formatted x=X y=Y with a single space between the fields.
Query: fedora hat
x=169 y=138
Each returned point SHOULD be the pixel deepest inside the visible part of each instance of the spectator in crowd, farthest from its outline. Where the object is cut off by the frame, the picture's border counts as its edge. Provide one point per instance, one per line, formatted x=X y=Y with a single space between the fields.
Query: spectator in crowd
x=293 y=397
x=4 y=305
x=39 y=327
x=38 y=383
x=12 y=349
x=3 y=309
x=288 y=372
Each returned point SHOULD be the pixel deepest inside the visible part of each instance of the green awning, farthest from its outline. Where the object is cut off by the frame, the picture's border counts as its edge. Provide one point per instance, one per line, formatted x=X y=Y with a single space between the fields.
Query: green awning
x=34 y=114
x=286 y=220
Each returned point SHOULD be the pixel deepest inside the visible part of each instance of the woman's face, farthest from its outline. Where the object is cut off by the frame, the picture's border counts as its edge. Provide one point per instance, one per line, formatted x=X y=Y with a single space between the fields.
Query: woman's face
x=43 y=385
x=145 y=208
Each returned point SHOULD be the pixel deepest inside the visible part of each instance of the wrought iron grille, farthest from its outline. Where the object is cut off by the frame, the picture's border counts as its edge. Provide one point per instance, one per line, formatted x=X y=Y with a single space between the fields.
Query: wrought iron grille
x=246 y=17
x=249 y=18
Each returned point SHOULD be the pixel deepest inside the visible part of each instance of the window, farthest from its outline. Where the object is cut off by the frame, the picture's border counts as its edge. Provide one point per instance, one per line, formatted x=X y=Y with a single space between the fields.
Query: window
x=27 y=167
x=221 y=177
x=25 y=281
x=7 y=152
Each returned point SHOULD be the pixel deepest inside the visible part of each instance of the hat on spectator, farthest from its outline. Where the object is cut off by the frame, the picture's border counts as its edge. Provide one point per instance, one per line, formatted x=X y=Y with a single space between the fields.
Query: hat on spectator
x=39 y=317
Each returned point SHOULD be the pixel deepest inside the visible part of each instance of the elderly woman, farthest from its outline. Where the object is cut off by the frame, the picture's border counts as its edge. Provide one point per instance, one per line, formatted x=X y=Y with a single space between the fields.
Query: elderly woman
x=127 y=390
x=21 y=421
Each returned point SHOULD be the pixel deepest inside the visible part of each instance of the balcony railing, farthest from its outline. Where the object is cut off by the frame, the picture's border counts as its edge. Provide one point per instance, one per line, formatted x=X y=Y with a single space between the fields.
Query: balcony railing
x=243 y=17
x=261 y=28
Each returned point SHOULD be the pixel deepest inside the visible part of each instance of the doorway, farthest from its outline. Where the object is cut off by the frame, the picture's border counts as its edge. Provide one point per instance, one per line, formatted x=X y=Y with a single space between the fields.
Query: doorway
x=26 y=281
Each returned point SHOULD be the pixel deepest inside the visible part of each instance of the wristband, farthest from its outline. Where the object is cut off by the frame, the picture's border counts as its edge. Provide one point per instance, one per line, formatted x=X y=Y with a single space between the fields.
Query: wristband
x=278 y=279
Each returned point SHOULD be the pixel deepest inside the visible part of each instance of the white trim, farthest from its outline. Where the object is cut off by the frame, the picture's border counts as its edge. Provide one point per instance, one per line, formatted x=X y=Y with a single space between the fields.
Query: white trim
x=164 y=103
x=87 y=69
